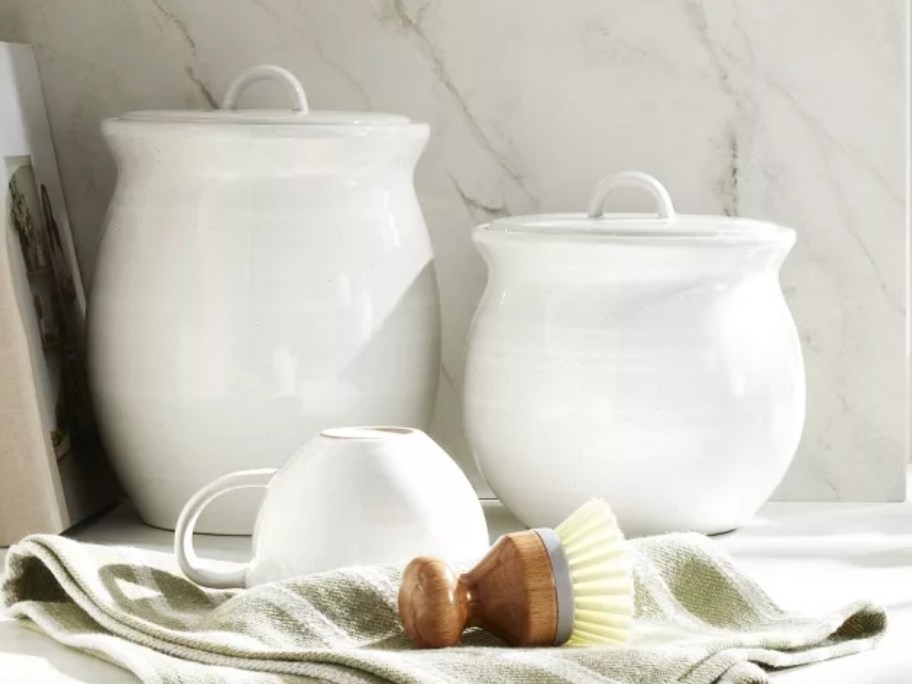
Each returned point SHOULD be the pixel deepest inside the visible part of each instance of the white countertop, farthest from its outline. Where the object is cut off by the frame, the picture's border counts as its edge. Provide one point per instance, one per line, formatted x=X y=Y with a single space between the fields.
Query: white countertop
x=809 y=557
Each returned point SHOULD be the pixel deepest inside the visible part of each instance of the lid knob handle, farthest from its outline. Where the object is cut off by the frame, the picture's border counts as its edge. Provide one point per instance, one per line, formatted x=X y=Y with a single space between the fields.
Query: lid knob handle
x=266 y=72
x=636 y=180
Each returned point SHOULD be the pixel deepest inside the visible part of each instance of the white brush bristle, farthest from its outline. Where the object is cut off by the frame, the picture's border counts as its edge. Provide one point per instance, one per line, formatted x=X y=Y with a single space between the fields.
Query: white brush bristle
x=601 y=573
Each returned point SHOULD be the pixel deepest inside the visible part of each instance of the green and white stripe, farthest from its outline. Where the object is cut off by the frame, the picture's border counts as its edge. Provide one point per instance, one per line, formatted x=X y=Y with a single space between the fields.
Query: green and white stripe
x=698 y=620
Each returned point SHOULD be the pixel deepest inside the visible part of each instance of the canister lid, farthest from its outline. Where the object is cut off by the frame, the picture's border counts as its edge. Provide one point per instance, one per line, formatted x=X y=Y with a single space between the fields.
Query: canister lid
x=664 y=225
x=269 y=117
x=298 y=114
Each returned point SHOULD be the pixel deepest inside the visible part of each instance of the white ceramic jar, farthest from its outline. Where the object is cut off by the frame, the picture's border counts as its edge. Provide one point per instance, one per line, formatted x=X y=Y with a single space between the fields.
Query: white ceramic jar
x=262 y=275
x=649 y=360
x=350 y=496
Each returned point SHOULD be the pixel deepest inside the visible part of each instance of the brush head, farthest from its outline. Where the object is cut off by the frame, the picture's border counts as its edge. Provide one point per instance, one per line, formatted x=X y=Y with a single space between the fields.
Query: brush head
x=600 y=573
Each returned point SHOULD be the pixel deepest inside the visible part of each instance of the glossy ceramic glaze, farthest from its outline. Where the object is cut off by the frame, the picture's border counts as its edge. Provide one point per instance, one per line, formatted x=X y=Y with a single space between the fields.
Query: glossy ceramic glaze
x=648 y=360
x=262 y=275
x=350 y=496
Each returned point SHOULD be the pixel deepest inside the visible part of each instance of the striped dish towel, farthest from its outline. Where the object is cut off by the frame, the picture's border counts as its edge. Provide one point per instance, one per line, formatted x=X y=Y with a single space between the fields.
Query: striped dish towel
x=699 y=620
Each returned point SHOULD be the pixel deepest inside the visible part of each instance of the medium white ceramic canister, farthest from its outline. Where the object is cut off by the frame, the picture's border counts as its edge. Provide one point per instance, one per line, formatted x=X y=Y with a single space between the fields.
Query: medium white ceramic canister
x=647 y=359
x=262 y=275
x=350 y=496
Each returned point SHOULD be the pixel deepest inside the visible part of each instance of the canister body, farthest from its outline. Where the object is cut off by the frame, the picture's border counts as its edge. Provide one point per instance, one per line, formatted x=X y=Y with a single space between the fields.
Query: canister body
x=665 y=377
x=253 y=289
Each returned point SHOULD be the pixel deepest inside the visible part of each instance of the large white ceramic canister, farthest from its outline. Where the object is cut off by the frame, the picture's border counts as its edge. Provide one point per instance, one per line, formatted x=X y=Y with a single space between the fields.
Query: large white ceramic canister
x=647 y=359
x=263 y=275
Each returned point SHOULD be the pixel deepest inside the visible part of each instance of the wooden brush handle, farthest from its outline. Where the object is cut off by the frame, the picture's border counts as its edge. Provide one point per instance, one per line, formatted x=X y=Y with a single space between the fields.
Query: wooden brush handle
x=510 y=593
x=433 y=605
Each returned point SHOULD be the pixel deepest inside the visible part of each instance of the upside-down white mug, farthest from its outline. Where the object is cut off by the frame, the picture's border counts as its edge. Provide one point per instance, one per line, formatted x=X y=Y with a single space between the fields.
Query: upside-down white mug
x=350 y=496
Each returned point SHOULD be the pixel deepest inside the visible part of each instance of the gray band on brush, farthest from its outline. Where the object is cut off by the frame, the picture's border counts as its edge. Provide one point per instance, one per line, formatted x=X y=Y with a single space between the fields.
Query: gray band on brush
x=563 y=584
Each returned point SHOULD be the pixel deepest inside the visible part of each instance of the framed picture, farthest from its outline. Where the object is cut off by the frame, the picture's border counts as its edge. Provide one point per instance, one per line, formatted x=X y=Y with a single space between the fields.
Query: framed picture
x=52 y=470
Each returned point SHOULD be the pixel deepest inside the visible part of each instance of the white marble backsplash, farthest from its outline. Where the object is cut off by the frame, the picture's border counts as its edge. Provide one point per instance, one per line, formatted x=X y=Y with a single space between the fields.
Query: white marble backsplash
x=775 y=109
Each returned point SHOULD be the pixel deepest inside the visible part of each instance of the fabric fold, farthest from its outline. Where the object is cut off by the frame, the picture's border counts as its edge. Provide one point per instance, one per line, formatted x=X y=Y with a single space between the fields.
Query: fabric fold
x=699 y=620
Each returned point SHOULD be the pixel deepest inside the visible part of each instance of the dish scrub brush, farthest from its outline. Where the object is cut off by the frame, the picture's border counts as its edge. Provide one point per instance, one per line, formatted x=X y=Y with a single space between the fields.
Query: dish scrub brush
x=541 y=587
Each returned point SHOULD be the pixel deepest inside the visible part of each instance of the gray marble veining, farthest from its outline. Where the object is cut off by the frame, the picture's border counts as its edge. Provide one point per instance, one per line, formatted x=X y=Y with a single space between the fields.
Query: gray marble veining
x=792 y=112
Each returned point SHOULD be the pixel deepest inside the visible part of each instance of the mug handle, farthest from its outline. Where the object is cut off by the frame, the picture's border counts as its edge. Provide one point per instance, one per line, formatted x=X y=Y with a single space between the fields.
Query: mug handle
x=183 y=533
